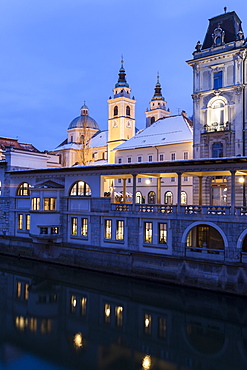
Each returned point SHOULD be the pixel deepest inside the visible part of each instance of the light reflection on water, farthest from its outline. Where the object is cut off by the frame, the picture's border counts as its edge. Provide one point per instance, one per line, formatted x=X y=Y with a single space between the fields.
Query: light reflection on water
x=62 y=318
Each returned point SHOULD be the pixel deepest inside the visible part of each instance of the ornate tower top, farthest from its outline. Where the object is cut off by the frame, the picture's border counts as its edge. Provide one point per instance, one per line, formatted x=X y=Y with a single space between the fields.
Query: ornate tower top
x=121 y=77
x=157 y=90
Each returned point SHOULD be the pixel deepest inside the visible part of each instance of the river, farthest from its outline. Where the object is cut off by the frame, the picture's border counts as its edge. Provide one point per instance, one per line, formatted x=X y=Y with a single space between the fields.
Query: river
x=55 y=317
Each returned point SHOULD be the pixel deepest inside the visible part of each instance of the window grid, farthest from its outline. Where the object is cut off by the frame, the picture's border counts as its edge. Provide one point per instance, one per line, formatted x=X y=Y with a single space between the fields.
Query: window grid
x=148 y=232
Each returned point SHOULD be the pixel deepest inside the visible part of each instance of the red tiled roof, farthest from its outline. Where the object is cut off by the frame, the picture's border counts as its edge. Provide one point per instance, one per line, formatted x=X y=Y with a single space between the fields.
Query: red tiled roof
x=5 y=142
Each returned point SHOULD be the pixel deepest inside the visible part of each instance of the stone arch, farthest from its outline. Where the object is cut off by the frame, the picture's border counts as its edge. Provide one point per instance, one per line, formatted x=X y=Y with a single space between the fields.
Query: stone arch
x=208 y=223
x=23 y=189
x=241 y=239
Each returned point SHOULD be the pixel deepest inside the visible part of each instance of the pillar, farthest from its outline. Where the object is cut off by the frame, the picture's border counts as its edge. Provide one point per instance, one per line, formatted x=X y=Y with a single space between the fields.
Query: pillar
x=233 y=192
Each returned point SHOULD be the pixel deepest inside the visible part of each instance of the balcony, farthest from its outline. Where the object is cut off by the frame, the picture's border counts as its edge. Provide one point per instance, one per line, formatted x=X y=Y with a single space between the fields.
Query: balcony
x=216 y=127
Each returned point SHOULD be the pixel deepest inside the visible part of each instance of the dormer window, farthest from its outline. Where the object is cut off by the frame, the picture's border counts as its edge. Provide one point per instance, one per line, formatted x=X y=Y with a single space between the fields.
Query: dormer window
x=218 y=80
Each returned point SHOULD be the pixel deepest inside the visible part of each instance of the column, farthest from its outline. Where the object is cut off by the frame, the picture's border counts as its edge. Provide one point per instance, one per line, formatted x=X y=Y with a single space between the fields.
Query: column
x=159 y=190
x=200 y=190
x=134 y=192
x=179 y=192
x=233 y=192
x=124 y=190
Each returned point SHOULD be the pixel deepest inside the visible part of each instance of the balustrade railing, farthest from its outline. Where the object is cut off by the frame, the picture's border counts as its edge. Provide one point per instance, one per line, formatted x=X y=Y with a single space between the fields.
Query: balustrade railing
x=184 y=209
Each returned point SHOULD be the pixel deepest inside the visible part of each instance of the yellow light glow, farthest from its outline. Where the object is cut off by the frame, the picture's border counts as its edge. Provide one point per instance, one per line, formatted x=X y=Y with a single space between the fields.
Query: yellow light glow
x=147 y=322
x=146 y=362
x=73 y=301
x=78 y=340
x=148 y=181
x=107 y=312
x=241 y=180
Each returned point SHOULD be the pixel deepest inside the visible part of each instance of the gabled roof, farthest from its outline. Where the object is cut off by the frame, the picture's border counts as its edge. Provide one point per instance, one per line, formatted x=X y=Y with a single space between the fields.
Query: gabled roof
x=8 y=142
x=49 y=185
x=165 y=131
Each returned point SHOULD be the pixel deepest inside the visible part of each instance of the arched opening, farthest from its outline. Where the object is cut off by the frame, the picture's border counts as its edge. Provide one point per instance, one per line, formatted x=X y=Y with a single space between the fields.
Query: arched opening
x=127 y=111
x=168 y=199
x=23 y=189
x=244 y=244
x=217 y=150
x=115 y=110
x=205 y=238
x=183 y=198
x=152 y=120
x=80 y=189
x=151 y=197
x=219 y=191
x=138 y=197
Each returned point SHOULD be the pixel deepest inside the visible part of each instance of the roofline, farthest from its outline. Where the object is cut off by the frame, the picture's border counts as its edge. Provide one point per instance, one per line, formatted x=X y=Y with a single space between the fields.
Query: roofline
x=228 y=164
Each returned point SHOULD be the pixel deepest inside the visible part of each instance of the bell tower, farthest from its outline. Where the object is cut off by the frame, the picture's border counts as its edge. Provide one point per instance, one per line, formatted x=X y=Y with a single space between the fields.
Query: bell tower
x=219 y=89
x=157 y=108
x=121 y=114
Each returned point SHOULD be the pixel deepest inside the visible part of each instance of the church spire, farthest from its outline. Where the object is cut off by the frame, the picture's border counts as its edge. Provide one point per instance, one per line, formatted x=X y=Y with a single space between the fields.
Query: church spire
x=157 y=90
x=121 y=76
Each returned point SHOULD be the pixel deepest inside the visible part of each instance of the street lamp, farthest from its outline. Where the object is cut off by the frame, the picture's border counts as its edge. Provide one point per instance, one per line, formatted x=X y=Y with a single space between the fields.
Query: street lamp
x=242 y=181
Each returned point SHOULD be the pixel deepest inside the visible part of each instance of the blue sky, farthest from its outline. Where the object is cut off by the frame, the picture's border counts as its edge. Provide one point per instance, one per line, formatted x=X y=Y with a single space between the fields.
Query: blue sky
x=56 y=54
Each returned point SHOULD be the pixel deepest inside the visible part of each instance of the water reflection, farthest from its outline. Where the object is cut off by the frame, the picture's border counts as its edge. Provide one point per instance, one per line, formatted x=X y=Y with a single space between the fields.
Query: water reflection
x=74 y=319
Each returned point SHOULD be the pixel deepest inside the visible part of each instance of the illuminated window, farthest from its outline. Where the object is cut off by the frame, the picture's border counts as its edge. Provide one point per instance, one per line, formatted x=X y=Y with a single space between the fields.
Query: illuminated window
x=120 y=230
x=84 y=227
x=18 y=289
x=115 y=110
x=27 y=222
x=168 y=197
x=23 y=189
x=138 y=197
x=127 y=111
x=73 y=303
x=26 y=292
x=218 y=80
x=80 y=189
x=35 y=204
x=148 y=232
x=183 y=197
x=73 y=225
x=20 y=221
x=46 y=326
x=107 y=312
x=83 y=306
x=33 y=324
x=119 y=315
x=54 y=230
x=162 y=233
x=151 y=197
x=147 y=324
x=49 y=204
x=108 y=229
x=162 y=327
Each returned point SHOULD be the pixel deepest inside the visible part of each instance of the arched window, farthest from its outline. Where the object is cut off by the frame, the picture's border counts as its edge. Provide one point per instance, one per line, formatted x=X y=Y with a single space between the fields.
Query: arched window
x=151 y=197
x=217 y=150
x=183 y=197
x=23 y=189
x=127 y=111
x=115 y=110
x=168 y=198
x=205 y=236
x=80 y=189
x=218 y=112
x=138 y=197
x=152 y=120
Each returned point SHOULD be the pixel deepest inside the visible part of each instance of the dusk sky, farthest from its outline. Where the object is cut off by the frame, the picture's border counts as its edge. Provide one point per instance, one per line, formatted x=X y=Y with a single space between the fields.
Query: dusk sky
x=56 y=54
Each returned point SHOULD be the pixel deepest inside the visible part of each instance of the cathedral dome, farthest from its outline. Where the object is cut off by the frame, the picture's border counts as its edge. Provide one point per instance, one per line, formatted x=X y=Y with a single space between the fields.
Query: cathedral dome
x=84 y=120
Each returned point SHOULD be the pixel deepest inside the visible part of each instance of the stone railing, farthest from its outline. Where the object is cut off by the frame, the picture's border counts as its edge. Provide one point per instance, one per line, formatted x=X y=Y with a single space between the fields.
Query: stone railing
x=204 y=252
x=215 y=126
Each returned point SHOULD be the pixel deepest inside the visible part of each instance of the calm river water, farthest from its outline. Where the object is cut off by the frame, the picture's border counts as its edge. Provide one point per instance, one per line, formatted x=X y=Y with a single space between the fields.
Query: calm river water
x=62 y=318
